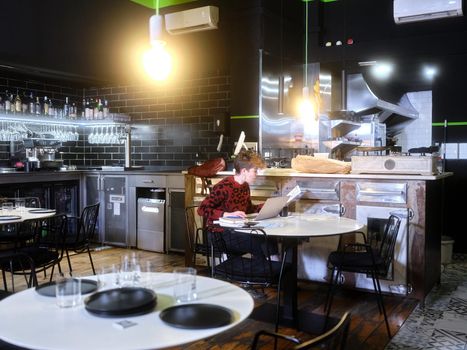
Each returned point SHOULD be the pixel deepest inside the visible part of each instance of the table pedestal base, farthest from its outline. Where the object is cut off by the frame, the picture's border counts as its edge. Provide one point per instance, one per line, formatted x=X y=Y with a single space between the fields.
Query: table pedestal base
x=307 y=322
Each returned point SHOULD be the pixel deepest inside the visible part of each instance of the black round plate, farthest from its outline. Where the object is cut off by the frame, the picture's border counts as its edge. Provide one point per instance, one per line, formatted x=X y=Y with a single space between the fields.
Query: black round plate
x=121 y=302
x=9 y=217
x=41 y=211
x=48 y=289
x=196 y=316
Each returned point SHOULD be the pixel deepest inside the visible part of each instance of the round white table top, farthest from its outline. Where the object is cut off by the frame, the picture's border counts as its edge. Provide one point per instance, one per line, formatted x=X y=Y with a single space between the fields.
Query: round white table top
x=308 y=225
x=24 y=214
x=35 y=321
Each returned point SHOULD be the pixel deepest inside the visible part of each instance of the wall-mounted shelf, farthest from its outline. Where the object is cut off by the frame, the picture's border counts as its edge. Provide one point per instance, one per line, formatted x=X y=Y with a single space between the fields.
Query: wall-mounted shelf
x=114 y=120
x=18 y=127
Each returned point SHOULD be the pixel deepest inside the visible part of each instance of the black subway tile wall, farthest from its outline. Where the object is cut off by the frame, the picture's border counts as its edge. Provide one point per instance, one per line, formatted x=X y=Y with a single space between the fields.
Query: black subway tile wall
x=172 y=127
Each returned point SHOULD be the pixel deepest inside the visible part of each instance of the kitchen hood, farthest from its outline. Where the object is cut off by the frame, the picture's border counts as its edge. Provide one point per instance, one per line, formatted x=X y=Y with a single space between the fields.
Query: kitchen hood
x=363 y=102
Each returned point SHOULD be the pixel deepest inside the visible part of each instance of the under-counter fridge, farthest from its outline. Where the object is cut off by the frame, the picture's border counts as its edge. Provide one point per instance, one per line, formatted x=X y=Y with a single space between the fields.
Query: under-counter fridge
x=150 y=224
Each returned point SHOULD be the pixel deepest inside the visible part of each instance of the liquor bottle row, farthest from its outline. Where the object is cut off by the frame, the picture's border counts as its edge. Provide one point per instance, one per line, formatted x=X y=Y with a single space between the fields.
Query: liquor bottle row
x=91 y=109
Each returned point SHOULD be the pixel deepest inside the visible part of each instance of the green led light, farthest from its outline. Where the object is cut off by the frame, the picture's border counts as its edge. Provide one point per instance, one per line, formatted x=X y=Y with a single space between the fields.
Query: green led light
x=162 y=3
x=450 y=124
x=244 y=117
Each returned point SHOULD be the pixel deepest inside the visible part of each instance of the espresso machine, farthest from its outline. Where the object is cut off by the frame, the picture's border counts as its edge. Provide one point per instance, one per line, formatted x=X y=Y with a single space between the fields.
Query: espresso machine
x=40 y=154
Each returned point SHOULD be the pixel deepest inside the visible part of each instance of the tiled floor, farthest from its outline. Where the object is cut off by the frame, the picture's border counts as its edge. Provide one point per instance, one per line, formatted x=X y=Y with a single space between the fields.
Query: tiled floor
x=442 y=322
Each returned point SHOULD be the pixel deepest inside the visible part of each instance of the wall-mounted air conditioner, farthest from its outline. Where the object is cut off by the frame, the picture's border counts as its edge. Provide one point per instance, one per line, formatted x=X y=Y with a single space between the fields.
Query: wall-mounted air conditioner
x=193 y=20
x=406 y=11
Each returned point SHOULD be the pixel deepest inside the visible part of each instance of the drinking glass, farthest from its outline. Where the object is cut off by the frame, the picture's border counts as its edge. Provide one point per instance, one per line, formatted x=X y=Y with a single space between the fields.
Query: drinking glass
x=7 y=207
x=68 y=292
x=108 y=277
x=185 y=284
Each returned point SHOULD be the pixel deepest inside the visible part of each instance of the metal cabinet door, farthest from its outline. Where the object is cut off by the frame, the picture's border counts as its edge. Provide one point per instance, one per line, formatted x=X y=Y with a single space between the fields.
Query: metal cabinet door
x=176 y=222
x=93 y=196
x=115 y=209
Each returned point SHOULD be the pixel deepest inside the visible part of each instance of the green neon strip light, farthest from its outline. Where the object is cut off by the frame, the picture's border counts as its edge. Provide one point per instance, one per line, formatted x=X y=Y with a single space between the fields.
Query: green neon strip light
x=244 y=117
x=162 y=3
x=450 y=124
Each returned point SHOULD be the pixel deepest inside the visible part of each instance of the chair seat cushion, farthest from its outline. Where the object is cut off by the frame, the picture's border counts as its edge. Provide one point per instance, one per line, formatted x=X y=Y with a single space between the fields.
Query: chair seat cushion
x=353 y=260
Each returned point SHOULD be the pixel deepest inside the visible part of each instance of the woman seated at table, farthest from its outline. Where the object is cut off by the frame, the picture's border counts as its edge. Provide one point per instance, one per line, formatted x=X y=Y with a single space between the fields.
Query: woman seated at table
x=231 y=197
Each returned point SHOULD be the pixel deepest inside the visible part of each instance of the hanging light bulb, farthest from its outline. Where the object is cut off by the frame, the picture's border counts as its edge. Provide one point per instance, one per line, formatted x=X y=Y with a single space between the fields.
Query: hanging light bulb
x=306 y=108
x=157 y=61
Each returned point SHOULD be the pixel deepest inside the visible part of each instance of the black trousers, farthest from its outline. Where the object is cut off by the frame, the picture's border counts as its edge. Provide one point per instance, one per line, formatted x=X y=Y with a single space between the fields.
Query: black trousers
x=239 y=243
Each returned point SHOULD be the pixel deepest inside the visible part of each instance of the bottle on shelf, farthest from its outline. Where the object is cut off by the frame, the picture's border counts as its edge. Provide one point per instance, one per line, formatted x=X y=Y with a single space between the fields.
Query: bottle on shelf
x=25 y=103
x=66 y=109
x=31 y=104
x=105 y=109
x=100 y=110
x=73 y=111
x=17 y=102
x=7 y=102
x=46 y=106
x=12 y=104
x=89 y=110
x=37 y=106
x=51 y=109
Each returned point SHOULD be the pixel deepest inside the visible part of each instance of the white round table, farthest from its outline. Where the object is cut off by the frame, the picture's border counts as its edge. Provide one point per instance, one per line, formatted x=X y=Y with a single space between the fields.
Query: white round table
x=24 y=214
x=35 y=321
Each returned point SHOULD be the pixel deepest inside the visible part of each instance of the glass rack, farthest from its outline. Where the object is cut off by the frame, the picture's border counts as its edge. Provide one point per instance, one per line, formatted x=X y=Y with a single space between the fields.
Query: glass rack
x=18 y=127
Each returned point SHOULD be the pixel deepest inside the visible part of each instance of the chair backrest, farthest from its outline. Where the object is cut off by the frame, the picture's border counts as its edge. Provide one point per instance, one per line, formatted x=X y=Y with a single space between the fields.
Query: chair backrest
x=192 y=225
x=52 y=233
x=87 y=223
x=385 y=244
x=333 y=339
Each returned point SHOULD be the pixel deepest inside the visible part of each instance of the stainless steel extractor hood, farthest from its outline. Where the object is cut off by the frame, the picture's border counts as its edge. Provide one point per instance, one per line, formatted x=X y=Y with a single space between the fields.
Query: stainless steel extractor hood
x=363 y=102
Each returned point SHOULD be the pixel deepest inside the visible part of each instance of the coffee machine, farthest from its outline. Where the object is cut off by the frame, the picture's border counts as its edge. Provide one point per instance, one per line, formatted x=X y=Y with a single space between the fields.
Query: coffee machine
x=40 y=154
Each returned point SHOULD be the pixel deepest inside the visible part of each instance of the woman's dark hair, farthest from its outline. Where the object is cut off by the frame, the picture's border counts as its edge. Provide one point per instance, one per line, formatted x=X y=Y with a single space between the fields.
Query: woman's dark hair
x=248 y=159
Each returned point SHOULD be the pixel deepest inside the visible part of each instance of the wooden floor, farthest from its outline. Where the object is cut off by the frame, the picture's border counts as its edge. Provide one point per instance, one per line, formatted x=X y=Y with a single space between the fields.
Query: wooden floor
x=367 y=329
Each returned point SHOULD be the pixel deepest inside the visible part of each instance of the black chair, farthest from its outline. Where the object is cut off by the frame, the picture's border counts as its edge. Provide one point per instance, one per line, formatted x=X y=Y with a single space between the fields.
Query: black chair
x=80 y=233
x=42 y=252
x=198 y=243
x=10 y=258
x=372 y=257
x=333 y=339
x=245 y=258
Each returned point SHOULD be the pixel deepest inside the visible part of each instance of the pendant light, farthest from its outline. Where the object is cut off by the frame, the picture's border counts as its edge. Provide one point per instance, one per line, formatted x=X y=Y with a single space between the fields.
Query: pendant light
x=157 y=61
x=306 y=109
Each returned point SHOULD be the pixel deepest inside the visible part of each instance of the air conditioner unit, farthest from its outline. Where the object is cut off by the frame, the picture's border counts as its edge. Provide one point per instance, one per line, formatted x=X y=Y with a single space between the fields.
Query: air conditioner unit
x=406 y=11
x=193 y=20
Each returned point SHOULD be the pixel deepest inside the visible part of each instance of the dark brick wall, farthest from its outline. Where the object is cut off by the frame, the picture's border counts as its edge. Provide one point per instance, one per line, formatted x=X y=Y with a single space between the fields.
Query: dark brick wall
x=172 y=126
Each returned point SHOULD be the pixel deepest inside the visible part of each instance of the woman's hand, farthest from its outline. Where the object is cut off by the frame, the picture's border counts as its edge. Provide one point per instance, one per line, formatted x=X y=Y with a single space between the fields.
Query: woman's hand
x=238 y=213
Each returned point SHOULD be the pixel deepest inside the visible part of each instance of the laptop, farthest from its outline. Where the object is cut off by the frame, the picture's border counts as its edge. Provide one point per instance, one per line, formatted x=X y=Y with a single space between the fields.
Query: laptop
x=271 y=208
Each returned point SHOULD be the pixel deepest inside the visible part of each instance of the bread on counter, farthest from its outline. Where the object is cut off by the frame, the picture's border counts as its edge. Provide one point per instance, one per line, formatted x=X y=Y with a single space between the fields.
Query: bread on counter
x=314 y=165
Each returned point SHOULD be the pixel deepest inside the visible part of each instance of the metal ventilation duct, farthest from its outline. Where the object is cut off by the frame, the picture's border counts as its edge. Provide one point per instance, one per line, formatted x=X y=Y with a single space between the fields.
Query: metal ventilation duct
x=363 y=101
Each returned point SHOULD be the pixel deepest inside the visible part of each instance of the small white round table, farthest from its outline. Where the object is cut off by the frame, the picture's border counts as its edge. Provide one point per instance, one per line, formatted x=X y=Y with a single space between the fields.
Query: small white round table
x=34 y=321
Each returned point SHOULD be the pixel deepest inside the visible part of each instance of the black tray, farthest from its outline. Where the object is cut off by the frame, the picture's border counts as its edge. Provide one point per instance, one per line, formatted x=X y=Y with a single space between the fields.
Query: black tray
x=41 y=211
x=196 y=316
x=48 y=289
x=126 y=301
x=9 y=217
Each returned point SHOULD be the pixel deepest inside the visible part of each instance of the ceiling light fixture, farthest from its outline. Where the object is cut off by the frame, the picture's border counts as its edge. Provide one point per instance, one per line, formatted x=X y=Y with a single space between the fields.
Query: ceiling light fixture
x=157 y=61
x=306 y=109
x=430 y=72
x=382 y=70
